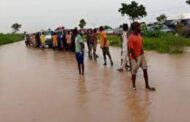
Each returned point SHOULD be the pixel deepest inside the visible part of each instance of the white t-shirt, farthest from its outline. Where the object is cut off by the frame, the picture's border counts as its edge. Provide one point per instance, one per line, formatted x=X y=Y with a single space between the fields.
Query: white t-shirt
x=125 y=41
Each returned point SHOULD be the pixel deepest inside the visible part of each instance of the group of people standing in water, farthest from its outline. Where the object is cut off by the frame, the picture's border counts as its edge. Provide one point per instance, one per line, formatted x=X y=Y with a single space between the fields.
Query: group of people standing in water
x=132 y=54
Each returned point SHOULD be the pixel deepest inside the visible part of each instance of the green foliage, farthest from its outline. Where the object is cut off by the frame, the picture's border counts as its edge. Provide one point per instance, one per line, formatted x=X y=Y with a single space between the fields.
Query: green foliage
x=188 y=2
x=82 y=23
x=107 y=27
x=114 y=40
x=16 y=27
x=154 y=34
x=164 y=43
x=10 y=38
x=133 y=10
x=161 y=19
x=180 y=28
x=186 y=32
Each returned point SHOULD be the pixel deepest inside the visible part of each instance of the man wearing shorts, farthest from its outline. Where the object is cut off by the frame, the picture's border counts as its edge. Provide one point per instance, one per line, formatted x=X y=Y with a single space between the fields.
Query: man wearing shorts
x=79 y=50
x=136 y=54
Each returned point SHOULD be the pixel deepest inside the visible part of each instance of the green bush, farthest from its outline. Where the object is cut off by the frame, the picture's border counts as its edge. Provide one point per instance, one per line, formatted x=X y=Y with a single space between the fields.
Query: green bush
x=114 y=40
x=10 y=38
x=155 y=34
x=164 y=43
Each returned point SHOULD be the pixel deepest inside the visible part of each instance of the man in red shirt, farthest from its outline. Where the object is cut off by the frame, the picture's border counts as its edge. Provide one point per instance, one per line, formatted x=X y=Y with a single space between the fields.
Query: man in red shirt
x=136 y=54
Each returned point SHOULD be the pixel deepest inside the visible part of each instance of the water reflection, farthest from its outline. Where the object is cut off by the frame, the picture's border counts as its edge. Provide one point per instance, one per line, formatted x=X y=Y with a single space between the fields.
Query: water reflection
x=82 y=91
x=44 y=84
x=138 y=107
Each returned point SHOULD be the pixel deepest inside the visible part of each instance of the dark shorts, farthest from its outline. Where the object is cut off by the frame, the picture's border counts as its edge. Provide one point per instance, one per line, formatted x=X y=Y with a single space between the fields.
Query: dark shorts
x=105 y=50
x=80 y=58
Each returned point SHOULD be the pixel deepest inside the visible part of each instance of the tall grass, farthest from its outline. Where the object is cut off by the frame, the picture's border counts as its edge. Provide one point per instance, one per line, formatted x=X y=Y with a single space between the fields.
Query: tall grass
x=166 y=43
x=114 y=40
x=10 y=38
x=163 y=43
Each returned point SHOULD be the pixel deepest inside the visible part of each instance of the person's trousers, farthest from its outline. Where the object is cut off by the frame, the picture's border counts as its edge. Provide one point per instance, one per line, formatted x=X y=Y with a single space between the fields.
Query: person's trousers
x=124 y=58
x=105 y=51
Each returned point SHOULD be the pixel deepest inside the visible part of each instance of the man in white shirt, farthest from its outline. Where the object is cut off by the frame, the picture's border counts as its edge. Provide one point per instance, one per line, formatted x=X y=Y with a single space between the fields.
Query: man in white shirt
x=124 y=57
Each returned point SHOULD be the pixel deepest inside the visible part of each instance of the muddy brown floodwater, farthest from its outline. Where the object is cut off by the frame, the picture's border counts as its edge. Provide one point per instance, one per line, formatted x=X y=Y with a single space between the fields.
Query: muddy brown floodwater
x=44 y=86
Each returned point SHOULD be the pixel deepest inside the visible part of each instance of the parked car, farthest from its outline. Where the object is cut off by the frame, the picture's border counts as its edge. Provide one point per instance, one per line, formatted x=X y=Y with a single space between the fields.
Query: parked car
x=162 y=28
x=166 y=29
x=48 y=36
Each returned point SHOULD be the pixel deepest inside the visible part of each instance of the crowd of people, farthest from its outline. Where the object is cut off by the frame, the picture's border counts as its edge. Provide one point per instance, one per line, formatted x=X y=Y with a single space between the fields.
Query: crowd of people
x=61 y=40
x=132 y=54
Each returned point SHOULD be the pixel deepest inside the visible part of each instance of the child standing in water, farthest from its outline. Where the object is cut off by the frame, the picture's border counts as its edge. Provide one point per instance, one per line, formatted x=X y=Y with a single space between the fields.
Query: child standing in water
x=79 y=52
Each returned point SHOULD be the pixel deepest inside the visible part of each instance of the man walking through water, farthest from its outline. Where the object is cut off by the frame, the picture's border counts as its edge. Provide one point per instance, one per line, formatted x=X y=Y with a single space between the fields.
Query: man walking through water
x=124 y=55
x=136 y=54
x=105 y=46
x=79 y=50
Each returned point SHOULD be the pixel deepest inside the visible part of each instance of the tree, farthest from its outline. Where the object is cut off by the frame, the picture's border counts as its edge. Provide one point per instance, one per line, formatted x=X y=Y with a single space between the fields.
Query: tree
x=188 y=2
x=107 y=27
x=161 y=19
x=133 y=10
x=82 y=23
x=16 y=27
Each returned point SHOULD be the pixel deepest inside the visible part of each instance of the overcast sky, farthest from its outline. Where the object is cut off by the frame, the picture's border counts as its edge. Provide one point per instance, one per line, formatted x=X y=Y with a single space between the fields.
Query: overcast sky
x=35 y=15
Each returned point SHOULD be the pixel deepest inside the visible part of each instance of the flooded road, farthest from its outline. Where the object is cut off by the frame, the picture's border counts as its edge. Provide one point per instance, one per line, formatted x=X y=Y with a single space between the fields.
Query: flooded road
x=44 y=86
